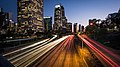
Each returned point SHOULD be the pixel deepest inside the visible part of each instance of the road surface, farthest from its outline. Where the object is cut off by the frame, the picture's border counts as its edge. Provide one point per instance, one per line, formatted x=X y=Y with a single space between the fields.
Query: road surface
x=106 y=56
x=67 y=54
x=63 y=52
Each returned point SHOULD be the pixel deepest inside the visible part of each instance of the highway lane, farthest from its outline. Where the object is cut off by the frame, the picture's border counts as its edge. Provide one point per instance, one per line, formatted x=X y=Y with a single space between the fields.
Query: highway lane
x=50 y=54
x=63 y=52
x=66 y=54
x=112 y=55
x=101 y=52
x=102 y=47
x=27 y=57
x=25 y=49
x=45 y=49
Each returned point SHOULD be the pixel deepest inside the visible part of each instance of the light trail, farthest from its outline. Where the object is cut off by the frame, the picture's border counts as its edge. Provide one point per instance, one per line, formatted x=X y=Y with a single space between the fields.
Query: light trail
x=38 y=53
x=57 y=57
x=103 y=47
x=56 y=51
x=60 y=48
x=107 y=59
x=67 y=59
x=66 y=54
x=26 y=47
x=98 y=53
x=52 y=44
x=63 y=52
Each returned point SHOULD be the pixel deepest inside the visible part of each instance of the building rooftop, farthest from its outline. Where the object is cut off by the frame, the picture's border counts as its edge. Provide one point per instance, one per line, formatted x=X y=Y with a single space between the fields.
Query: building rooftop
x=57 y=6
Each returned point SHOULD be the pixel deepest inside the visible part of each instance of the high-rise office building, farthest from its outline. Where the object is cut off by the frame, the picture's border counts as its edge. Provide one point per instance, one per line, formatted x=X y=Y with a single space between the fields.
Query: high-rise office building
x=30 y=15
x=83 y=28
x=59 y=18
x=1 y=9
x=69 y=27
x=4 y=19
x=6 y=22
x=79 y=27
x=75 y=28
x=48 y=24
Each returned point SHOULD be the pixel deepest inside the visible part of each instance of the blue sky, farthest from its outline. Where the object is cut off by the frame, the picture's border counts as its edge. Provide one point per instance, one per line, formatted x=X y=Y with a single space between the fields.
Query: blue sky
x=77 y=11
x=80 y=11
x=9 y=6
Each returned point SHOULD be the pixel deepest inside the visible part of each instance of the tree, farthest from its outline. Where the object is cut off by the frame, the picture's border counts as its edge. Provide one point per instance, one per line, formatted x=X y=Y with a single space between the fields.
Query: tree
x=90 y=30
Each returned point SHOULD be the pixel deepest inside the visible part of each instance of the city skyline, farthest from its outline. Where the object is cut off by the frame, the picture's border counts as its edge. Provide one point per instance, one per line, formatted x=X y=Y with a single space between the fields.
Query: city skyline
x=60 y=33
x=78 y=11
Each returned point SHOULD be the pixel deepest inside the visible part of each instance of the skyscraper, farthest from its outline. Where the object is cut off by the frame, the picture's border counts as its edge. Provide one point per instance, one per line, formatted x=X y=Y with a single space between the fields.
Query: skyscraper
x=59 y=18
x=69 y=27
x=48 y=24
x=75 y=28
x=30 y=15
x=79 y=27
x=5 y=19
x=6 y=24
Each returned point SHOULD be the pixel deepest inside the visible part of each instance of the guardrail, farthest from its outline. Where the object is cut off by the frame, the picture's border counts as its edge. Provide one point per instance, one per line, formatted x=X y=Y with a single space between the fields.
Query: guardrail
x=9 y=43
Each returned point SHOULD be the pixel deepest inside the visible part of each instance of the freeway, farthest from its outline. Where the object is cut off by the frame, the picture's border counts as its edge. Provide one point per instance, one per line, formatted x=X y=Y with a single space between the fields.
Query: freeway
x=25 y=56
x=107 y=57
x=66 y=54
x=30 y=46
x=63 y=52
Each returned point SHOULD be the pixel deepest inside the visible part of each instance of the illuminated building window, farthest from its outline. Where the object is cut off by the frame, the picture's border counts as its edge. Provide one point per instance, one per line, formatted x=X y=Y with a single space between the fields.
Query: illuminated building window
x=31 y=13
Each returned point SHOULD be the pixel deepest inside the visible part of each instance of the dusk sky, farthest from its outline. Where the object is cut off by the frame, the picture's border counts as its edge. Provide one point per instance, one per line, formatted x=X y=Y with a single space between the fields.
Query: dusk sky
x=77 y=11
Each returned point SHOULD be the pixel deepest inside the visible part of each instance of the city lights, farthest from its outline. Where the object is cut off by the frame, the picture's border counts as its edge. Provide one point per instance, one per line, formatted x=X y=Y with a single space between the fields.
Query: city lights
x=59 y=33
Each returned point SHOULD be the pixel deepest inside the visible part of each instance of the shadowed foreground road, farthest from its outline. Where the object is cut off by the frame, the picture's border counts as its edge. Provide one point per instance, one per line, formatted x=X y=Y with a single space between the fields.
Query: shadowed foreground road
x=66 y=54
